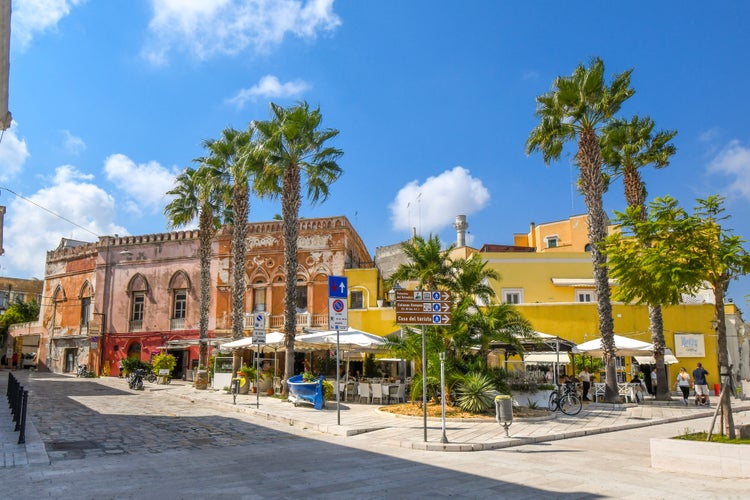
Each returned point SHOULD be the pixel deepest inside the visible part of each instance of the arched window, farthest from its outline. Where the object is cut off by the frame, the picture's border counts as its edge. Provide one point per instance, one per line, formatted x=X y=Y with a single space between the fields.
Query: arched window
x=137 y=289
x=179 y=286
x=85 y=297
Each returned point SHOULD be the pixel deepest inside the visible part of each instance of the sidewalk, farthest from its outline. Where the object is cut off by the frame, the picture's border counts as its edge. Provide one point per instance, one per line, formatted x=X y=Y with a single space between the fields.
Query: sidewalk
x=365 y=423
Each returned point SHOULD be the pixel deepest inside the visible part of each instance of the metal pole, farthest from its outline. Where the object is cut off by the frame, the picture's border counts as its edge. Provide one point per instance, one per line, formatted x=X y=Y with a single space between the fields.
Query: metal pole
x=338 y=377
x=257 y=377
x=424 y=383
x=443 y=439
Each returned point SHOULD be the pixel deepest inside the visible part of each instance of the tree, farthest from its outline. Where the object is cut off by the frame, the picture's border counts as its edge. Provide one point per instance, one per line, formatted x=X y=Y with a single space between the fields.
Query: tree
x=236 y=161
x=199 y=193
x=427 y=263
x=724 y=259
x=628 y=146
x=295 y=153
x=576 y=109
x=18 y=312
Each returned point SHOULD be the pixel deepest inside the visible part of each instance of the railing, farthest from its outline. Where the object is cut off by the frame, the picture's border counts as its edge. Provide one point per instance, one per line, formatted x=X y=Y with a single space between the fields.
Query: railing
x=136 y=325
x=177 y=323
x=18 y=399
x=303 y=320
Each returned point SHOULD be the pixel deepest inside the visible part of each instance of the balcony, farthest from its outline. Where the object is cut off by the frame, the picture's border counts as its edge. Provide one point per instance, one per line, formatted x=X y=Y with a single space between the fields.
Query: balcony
x=136 y=325
x=177 y=324
x=304 y=320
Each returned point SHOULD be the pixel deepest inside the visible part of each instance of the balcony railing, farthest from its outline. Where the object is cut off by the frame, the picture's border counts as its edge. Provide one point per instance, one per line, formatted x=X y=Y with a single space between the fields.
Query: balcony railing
x=304 y=320
x=177 y=323
x=136 y=325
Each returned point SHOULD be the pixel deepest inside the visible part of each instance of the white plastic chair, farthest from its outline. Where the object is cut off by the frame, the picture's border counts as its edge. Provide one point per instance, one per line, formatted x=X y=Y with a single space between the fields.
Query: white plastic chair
x=342 y=391
x=377 y=393
x=599 y=390
x=364 y=391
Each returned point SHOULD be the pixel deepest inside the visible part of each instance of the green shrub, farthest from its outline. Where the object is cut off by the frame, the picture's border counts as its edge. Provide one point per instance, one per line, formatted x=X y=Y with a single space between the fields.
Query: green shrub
x=131 y=364
x=433 y=387
x=475 y=393
x=328 y=394
x=163 y=362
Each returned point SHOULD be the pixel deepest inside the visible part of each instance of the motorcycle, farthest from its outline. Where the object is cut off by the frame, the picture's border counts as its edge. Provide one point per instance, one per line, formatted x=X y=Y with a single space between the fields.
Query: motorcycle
x=135 y=380
x=83 y=371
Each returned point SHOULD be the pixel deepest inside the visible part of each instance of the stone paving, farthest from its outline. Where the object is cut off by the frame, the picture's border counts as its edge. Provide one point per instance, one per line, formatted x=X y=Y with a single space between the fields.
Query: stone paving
x=72 y=418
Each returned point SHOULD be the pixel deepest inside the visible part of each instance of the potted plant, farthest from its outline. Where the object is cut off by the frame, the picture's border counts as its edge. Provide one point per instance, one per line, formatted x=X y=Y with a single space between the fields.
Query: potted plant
x=246 y=374
x=266 y=381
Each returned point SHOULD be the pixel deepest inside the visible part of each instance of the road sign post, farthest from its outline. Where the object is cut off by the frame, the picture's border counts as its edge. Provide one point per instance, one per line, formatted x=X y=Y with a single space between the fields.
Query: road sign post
x=338 y=319
x=425 y=308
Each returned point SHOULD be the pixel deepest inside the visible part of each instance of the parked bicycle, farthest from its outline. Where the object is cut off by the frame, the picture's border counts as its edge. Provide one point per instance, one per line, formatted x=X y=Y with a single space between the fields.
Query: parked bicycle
x=150 y=377
x=83 y=371
x=565 y=399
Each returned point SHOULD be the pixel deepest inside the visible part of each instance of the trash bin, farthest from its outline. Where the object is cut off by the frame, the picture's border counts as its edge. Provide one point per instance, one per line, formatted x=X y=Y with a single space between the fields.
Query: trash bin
x=504 y=411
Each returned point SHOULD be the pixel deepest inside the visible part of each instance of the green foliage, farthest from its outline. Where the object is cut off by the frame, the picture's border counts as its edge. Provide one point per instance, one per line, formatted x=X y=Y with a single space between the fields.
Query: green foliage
x=18 y=312
x=475 y=393
x=309 y=377
x=433 y=387
x=248 y=372
x=370 y=368
x=163 y=361
x=328 y=393
x=129 y=365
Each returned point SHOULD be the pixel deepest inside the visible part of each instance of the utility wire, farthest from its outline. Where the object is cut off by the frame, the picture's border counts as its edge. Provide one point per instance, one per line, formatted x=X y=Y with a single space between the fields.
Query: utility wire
x=49 y=211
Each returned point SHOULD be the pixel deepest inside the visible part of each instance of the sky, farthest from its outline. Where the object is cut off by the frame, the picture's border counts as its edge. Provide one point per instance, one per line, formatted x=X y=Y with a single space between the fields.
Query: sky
x=434 y=101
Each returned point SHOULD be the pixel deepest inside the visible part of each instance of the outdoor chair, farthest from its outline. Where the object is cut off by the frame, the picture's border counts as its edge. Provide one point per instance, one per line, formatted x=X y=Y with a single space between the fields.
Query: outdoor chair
x=364 y=391
x=400 y=396
x=377 y=393
x=599 y=389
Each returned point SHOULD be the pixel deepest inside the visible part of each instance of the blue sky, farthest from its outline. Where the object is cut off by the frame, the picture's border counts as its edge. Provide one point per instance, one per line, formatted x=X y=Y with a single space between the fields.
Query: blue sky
x=111 y=99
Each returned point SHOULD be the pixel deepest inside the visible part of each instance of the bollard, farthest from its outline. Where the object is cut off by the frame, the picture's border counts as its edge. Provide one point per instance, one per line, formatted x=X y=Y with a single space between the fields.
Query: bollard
x=22 y=420
x=716 y=390
x=504 y=411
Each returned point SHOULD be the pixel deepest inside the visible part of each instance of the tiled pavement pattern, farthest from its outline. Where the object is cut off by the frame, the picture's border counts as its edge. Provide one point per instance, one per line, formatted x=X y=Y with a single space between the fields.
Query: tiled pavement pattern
x=72 y=418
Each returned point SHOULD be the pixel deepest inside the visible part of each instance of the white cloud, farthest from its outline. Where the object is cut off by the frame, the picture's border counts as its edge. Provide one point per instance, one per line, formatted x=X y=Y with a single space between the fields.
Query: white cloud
x=434 y=204
x=206 y=28
x=268 y=87
x=31 y=17
x=734 y=161
x=144 y=183
x=13 y=154
x=69 y=196
x=73 y=144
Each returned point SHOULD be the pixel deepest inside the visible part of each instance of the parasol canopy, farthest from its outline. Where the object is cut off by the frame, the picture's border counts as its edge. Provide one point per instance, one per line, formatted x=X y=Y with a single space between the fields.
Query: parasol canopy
x=624 y=346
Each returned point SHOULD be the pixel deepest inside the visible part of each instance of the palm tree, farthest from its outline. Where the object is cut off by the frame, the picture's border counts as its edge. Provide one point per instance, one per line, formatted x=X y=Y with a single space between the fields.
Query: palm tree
x=296 y=153
x=198 y=193
x=428 y=264
x=628 y=146
x=577 y=108
x=234 y=159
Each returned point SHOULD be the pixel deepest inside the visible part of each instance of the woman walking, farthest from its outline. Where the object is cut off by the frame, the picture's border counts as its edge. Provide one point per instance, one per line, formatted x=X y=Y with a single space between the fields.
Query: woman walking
x=683 y=383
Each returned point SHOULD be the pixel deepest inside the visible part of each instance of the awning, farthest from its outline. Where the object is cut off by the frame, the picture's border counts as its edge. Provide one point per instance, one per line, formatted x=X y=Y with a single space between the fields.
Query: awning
x=546 y=358
x=582 y=282
x=669 y=359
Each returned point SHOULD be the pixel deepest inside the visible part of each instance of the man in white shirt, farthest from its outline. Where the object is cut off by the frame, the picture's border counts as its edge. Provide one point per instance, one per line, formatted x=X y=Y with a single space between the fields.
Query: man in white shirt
x=585 y=378
x=653 y=381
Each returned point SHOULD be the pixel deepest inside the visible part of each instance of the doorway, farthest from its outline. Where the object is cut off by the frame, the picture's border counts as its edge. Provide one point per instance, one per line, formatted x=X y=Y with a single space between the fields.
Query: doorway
x=70 y=360
x=179 y=366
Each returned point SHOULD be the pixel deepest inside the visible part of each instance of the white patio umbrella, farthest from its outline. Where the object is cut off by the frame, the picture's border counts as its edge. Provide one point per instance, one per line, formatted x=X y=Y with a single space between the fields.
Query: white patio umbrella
x=350 y=339
x=274 y=340
x=624 y=346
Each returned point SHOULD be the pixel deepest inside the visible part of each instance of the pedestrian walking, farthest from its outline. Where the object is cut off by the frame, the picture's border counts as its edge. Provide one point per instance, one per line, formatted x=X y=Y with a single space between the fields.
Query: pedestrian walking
x=683 y=384
x=701 y=385
x=654 y=379
x=585 y=377
x=14 y=362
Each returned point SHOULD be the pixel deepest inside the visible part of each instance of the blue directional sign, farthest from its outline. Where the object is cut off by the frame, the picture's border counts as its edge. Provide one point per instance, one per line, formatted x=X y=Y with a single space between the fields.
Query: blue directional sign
x=338 y=287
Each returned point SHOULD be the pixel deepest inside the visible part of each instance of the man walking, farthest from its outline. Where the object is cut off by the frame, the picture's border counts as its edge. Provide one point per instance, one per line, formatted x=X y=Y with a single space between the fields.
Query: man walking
x=701 y=385
x=586 y=380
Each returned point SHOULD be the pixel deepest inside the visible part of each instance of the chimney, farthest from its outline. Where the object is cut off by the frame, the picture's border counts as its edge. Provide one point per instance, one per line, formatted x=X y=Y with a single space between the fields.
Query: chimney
x=461 y=226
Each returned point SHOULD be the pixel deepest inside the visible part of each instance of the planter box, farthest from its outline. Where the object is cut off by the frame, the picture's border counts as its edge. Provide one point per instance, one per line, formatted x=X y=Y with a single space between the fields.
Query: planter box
x=541 y=398
x=716 y=459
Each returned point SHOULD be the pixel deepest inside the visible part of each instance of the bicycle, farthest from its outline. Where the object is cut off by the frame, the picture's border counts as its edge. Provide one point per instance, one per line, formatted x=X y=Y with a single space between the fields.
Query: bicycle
x=83 y=371
x=566 y=400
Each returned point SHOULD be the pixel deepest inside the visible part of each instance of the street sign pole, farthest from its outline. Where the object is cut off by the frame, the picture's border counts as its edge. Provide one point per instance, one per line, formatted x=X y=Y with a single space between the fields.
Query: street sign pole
x=424 y=383
x=338 y=318
x=257 y=374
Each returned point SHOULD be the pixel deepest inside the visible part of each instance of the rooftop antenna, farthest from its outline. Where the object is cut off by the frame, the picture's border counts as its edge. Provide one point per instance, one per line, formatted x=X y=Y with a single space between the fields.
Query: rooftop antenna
x=419 y=204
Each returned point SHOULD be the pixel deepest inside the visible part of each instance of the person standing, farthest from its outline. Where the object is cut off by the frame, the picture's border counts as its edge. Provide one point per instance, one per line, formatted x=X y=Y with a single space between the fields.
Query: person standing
x=653 y=381
x=683 y=384
x=14 y=362
x=585 y=378
x=701 y=385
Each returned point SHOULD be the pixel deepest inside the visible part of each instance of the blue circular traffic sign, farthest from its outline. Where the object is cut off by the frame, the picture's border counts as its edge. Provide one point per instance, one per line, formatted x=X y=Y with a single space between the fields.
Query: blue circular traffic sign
x=338 y=305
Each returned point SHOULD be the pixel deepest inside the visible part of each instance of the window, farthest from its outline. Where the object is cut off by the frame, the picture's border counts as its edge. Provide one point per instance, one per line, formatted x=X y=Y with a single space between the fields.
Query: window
x=85 y=311
x=302 y=299
x=259 y=299
x=356 y=299
x=585 y=296
x=552 y=241
x=512 y=295
x=180 y=304
x=136 y=313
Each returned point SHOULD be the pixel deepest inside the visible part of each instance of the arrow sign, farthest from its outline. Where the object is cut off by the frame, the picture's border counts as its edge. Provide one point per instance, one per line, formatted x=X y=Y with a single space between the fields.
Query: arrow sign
x=338 y=287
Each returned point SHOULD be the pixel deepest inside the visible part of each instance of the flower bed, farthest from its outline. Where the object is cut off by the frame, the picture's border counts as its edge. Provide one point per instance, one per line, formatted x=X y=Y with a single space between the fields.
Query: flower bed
x=716 y=459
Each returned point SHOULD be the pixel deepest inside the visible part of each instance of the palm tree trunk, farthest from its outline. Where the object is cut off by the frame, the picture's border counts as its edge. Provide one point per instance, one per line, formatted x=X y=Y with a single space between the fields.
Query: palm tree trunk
x=290 y=205
x=656 y=325
x=589 y=158
x=241 y=208
x=204 y=251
